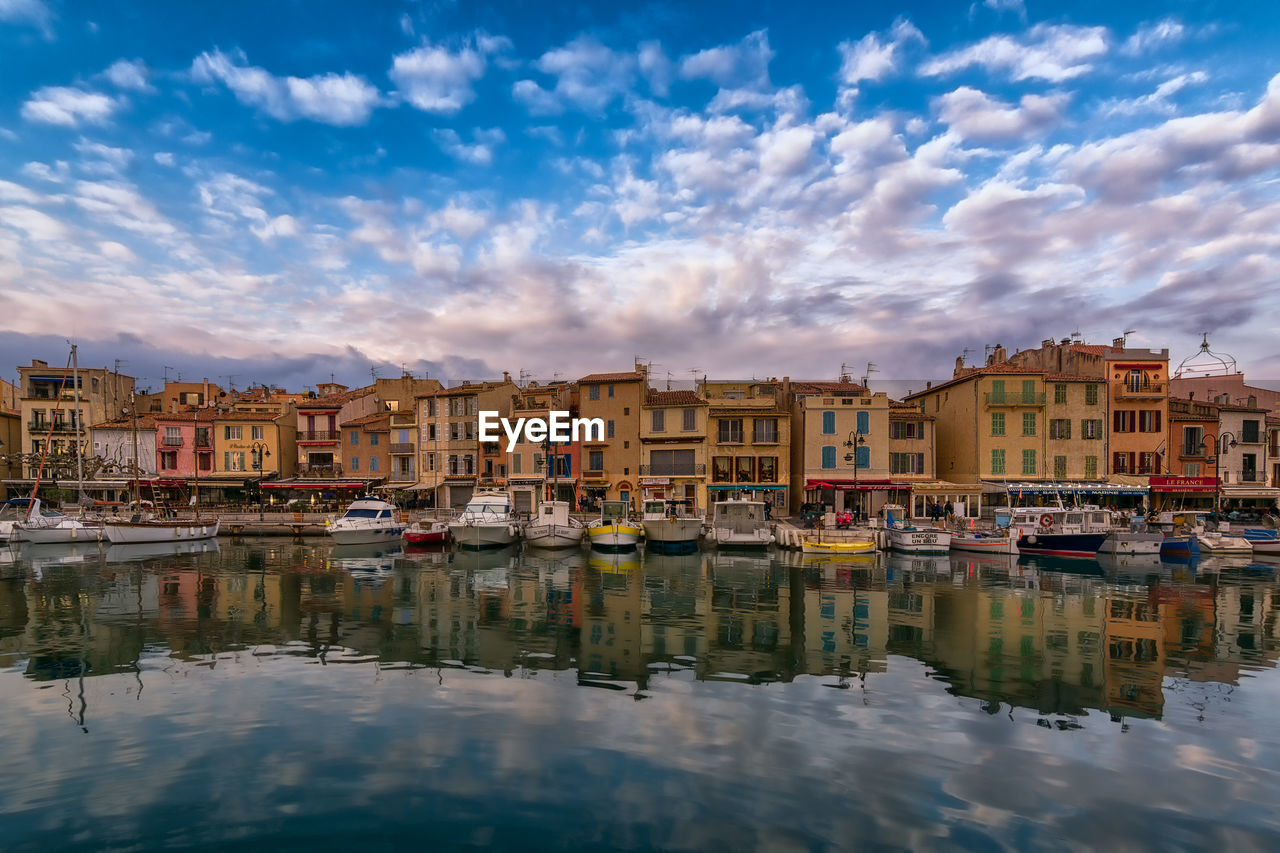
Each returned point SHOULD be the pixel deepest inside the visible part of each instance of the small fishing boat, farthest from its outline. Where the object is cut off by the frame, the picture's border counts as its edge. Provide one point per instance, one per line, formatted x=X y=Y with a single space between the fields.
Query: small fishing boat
x=998 y=540
x=486 y=522
x=1060 y=531
x=553 y=527
x=812 y=546
x=1269 y=548
x=670 y=524
x=13 y=511
x=368 y=520
x=427 y=532
x=614 y=528
x=906 y=537
x=739 y=524
x=1178 y=545
x=51 y=528
x=1131 y=542
x=138 y=529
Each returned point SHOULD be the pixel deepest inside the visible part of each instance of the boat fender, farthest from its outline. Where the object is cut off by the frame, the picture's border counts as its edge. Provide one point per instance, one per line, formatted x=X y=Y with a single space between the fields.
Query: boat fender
x=1031 y=540
x=511 y=530
x=1046 y=520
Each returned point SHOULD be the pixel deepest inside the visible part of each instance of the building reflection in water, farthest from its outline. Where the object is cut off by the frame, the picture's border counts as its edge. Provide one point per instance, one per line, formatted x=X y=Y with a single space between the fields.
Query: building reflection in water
x=1017 y=634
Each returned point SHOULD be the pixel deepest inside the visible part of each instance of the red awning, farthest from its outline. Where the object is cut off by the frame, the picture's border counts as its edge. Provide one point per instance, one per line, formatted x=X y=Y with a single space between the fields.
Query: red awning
x=818 y=484
x=313 y=484
x=1184 y=484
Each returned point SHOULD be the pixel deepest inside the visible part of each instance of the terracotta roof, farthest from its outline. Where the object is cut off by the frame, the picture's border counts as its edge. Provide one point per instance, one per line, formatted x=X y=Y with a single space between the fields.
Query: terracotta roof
x=673 y=398
x=912 y=414
x=247 y=416
x=334 y=400
x=370 y=419
x=186 y=416
x=805 y=387
x=147 y=422
x=1234 y=408
x=1093 y=349
x=899 y=404
x=632 y=376
x=1071 y=377
x=974 y=372
x=469 y=388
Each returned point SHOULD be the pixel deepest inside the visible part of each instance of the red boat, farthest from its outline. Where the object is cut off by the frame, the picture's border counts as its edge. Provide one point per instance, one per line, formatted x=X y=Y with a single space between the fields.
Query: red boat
x=426 y=532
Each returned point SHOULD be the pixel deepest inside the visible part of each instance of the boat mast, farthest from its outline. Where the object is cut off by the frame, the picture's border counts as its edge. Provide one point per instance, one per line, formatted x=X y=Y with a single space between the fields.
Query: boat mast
x=75 y=381
x=48 y=440
x=137 y=468
x=195 y=453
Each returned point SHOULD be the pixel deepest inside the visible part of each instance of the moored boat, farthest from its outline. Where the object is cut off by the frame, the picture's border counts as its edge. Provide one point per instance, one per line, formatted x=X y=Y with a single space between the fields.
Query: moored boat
x=1060 y=531
x=1131 y=542
x=997 y=541
x=740 y=524
x=670 y=524
x=43 y=526
x=368 y=520
x=907 y=538
x=138 y=529
x=553 y=527
x=810 y=545
x=486 y=522
x=427 y=532
x=614 y=528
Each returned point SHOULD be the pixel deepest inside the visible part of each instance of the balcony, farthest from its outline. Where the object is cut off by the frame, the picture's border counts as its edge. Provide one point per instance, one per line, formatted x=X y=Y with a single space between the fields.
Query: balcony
x=597 y=475
x=1252 y=477
x=41 y=427
x=1141 y=390
x=306 y=470
x=319 y=435
x=690 y=470
x=1014 y=398
x=399 y=448
x=172 y=441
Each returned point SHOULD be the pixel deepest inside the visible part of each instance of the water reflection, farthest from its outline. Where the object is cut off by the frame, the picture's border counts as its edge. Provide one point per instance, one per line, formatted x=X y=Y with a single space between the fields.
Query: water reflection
x=1057 y=637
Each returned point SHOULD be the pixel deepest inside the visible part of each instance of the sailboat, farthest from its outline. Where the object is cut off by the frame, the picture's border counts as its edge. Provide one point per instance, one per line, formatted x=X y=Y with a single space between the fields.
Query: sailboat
x=553 y=526
x=138 y=528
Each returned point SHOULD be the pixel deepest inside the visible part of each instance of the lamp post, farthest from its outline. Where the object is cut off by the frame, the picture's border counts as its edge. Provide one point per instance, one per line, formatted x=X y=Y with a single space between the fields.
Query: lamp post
x=1218 y=444
x=259 y=450
x=854 y=441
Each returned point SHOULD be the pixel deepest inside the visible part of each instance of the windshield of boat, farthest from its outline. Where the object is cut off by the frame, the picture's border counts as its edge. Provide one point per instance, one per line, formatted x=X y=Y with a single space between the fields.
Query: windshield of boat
x=499 y=509
x=613 y=509
x=655 y=507
x=368 y=513
x=747 y=510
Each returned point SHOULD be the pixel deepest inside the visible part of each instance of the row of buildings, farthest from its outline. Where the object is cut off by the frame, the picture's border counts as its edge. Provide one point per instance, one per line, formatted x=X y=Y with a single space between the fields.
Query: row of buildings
x=1106 y=423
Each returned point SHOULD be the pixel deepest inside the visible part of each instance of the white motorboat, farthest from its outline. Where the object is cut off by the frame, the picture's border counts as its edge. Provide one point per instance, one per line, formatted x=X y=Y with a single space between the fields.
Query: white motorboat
x=43 y=526
x=994 y=541
x=1219 y=543
x=367 y=521
x=614 y=528
x=486 y=522
x=670 y=524
x=906 y=537
x=553 y=527
x=740 y=524
x=138 y=529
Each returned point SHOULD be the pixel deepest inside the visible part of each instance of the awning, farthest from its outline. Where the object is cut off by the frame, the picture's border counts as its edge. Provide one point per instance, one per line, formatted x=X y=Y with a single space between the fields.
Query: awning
x=316 y=484
x=742 y=487
x=655 y=481
x=1184 y=484
x=849 y=486
x=421 y=487
x=1246 y=491
x=1051 y=488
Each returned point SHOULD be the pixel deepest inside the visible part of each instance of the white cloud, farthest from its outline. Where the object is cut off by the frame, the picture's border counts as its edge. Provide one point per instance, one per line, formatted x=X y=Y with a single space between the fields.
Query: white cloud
x=32 y=12
x=873 y=57
x=16 y=193
x=229 y=197
x=1157 y=101
x=740 y=66
x=463 y=222
x=38 y=226
x=129 y=74
x=480 y=152
x=103 y=158
x=164 y=158
x=655 y=67
x=43 y=171
x=1053 y=52
x=337 y=99
x=1154 y=36
x=67 y=106
x=437 y=80
x=118 y=203
x=975 y=115
x=1014 y=6
x=588 y=76
x=280 y=226
x=116 y=251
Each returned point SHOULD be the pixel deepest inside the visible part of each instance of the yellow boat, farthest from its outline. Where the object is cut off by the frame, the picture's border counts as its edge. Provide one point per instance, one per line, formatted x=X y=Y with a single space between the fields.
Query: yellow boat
x=860 y=547
x=614 y=529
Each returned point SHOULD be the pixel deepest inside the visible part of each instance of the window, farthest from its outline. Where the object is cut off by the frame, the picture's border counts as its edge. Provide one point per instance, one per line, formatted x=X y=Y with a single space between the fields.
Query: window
x=768 y=469
x=829 y=456
x=517 y=463
x=168 y=460
x=1149 y=420
x=1028 y=462
x=900 y=430
x=1249 y=467
x=1191 y=469
x=232 y=433
x=373 y=463
x=997 y=423
x=1091 y=467
x=690 y=422
x=593 y=392
x=1060 y=428
x=1124 y=421
x=355 y=438
x=997 y=389
x=355 y=463
x=659 y=420
x=729 y=430
x=1148 y=463
x=1091 y=429
x=862 y=457
x=595 y=460
x=430 y=459
x=906 y=463
x=1060 y=467
x=745 y=469
x=626 y=411
x=1028 y=423
x=1028 y=390
x=373 y=439
x=864 y=422
x=233 y=460
x=997 y=460
x=677 y=463
x=1122 y=463
x=255 y=433
x=626 y=444
x=608 y=429
x=722 y=469
x=204 y=461
x=1191 y=439
x=469 y=464
x=1060 y=393
x=828 y=423
x=1249 y=432
x=765 y=431
x=172 y=435
x=611 y=392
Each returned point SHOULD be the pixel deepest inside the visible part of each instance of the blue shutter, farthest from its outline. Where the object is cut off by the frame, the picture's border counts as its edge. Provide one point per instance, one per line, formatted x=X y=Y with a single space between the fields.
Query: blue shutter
x=864 y=425
x=829 y=456
x=862 y=459
x=828 y=423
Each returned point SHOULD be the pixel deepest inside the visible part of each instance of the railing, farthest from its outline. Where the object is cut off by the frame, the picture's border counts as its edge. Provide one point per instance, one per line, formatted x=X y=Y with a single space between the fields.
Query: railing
x=318 y=435
x=1141 y=389
x=305 y=470
x=39 y=426
x=595 y=474
x=690 y=470
x=1014 y=398
x=172 y=442
x=1252 y=477
x=402 y=447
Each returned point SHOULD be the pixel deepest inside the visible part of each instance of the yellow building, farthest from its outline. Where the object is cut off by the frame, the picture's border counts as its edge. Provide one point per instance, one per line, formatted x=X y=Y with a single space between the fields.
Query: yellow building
x=452 y=462
x=611 y=467
x=249 y=447
x=673 y=439
x=748 y=440
x=832 y=421
x=1076 y=433
x=47 y=404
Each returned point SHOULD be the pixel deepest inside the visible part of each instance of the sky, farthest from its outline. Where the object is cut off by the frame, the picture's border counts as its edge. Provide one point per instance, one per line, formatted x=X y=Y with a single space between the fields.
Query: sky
x=279 y=192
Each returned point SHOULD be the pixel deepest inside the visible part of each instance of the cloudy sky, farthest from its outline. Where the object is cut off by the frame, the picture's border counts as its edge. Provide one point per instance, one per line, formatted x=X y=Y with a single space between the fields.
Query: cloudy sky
x=284 y=190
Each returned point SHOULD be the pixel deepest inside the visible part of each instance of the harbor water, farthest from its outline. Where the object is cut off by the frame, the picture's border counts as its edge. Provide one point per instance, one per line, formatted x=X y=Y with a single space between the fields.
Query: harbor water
x=267 y=694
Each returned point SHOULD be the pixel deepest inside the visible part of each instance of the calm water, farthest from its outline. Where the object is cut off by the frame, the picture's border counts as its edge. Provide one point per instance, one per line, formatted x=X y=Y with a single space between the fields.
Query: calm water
x=274 y=695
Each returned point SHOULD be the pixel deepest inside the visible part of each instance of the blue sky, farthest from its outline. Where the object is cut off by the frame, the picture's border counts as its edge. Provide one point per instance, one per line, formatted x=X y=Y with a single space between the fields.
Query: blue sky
x=284 y=190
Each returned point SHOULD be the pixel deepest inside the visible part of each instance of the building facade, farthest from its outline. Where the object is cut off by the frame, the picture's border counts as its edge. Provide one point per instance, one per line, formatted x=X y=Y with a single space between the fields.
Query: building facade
x=611 y=466
x=748 y=440
x=834 y=420
x=673 y=447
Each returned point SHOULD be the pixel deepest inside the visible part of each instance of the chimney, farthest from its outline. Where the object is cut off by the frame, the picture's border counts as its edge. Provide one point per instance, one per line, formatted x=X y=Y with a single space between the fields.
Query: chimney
x=928 y=385
x=1117 y=343
x=1253 y=401
x=1046 y=343
x=506 y=377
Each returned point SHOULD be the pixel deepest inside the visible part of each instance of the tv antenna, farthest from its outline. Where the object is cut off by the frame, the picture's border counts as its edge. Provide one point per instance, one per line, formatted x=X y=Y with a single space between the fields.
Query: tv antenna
x=964 y=355
x=167 y=368
x=373 y=372
x=523 y=378
x=866 y=377
x=1124 y=338
x=231 y=380
x=844 y=372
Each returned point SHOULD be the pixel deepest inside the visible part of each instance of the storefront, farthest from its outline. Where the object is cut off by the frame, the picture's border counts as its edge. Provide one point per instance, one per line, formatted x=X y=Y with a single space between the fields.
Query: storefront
x=964 y=499
x=319 y=495
x=863 y=498
x=1109 y=494
x=1246 y=497
x=774 y=495
x=1174 y=494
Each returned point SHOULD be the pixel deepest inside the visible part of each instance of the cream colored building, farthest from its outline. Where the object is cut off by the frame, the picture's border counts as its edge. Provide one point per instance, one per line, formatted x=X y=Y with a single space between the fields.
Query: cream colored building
x=748 y=440
x=452 y=462
x=611 y=467
x=673 y=439
x=832 y=421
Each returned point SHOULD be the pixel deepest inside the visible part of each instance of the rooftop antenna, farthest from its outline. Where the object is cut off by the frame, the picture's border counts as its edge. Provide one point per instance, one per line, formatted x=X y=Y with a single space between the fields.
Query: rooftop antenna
x=167 y=368
x=693 y=374
x=1076 y=334
x=668 y=380
x=231 y=380
x=373 y=371
x=523 y=379
x=844 y=372
x=964 y=355
x=866 y=377
x=1124 y=338
x=986 y=352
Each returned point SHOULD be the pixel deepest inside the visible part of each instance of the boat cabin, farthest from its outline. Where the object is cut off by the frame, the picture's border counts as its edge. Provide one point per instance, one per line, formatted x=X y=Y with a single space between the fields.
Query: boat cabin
x=611 y=511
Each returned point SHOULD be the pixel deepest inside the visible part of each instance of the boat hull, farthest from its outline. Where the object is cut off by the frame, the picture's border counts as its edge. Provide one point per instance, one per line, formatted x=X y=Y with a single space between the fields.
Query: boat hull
x=364 y=535
x=614 y=535
x=61 y=533
x=920 y=541
x=985 y=544
x=134 y=532
x=1121 y=542
x=1269 y=548
x=426 y=537
x=1224 y=546
x=837 y=548
x=553 y=535
x=672 y=531
x=493 y=535
x=1061 y=544
x=1180 y=546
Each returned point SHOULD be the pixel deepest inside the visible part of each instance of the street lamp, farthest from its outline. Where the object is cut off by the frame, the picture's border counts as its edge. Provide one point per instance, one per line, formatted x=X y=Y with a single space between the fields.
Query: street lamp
x=1218 y=444
x=854 y=441
x=259 y=450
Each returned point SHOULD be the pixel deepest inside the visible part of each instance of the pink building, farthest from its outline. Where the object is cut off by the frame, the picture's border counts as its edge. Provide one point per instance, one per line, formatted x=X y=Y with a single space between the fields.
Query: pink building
x=184 y=442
